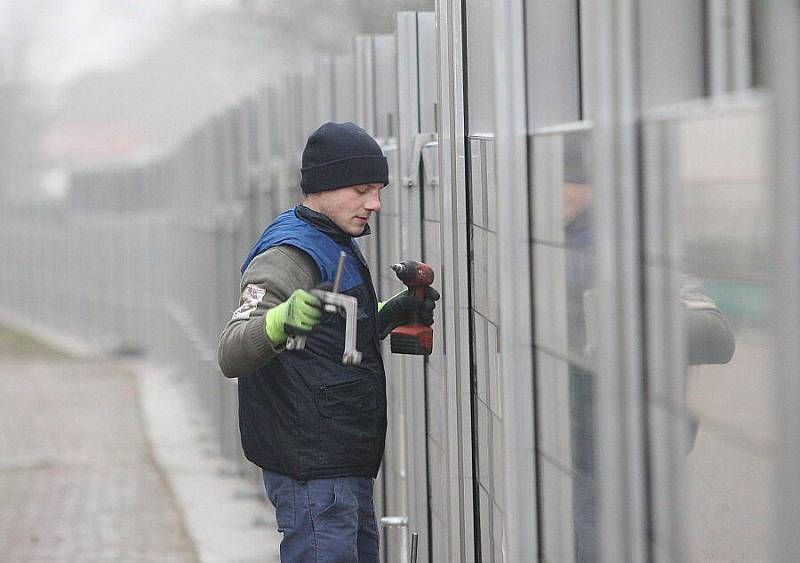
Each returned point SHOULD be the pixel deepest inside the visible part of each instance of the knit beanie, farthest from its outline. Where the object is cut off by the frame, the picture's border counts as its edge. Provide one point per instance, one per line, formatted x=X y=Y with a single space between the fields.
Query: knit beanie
x=338 y=155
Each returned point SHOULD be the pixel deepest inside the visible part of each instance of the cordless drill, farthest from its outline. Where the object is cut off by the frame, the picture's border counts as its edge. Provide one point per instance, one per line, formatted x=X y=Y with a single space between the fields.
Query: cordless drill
x=414 y=338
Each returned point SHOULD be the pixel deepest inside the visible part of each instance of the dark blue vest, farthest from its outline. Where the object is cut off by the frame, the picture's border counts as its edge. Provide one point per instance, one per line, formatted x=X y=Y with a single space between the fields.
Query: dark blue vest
x=304 y=414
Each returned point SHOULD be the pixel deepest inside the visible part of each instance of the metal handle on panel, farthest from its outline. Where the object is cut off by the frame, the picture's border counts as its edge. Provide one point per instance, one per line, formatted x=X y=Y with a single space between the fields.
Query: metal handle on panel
x=428 y=162
x=420 y=140
x=394 y=521
x=402 y=523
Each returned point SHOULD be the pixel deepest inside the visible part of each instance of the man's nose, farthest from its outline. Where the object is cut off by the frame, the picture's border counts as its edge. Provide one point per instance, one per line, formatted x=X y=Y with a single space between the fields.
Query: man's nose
x=374 y=202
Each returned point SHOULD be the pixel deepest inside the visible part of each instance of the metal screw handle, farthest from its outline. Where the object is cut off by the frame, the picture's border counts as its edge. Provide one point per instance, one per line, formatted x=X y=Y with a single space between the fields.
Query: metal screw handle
x=296 y=342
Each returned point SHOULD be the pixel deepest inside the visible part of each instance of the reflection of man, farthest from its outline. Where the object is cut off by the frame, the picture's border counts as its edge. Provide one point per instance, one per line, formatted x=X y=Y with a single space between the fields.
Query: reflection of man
x=579 y=241
x=709 y=338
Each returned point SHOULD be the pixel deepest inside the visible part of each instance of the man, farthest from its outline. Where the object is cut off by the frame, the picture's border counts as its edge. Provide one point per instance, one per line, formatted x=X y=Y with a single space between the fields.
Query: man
x=316 y=427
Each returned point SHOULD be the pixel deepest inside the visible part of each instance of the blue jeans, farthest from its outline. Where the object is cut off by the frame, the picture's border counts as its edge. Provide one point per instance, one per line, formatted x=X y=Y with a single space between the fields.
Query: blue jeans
x=324 y=520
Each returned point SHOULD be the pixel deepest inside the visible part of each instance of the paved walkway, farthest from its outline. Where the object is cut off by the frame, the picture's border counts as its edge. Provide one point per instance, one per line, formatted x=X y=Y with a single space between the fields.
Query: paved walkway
x=77 y=477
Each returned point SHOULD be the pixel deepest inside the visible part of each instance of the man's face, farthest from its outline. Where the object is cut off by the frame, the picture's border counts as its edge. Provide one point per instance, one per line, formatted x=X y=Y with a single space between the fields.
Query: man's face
x=350 y=208
x=577 y=197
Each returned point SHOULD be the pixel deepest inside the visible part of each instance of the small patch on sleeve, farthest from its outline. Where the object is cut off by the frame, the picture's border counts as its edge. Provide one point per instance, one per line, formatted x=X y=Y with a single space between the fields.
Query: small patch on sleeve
x=251 y=297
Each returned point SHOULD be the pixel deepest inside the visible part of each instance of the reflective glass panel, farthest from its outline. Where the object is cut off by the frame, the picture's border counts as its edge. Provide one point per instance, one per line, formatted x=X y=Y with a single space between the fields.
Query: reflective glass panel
x=712 y=410
x=565 y=337
x=487 y=404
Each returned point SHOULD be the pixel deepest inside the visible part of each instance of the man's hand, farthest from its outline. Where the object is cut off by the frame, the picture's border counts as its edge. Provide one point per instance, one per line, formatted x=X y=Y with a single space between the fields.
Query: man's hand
x=302 y=312
x=398 y=310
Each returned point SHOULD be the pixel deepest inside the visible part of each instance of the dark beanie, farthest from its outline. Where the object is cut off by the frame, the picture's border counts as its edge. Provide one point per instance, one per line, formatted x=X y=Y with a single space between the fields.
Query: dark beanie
x=339 y=155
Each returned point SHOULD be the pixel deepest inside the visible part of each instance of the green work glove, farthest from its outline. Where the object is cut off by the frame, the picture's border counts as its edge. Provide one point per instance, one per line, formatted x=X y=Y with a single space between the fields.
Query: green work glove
x=302 y=312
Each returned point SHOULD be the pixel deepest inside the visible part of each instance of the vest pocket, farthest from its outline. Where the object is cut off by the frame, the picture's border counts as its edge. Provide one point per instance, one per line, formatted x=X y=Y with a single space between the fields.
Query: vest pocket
x=346 y=400
x=349 y=423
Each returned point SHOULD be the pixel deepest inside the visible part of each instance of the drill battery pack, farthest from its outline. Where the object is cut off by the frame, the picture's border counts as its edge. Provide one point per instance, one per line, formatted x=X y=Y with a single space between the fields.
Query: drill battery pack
x=414 y=340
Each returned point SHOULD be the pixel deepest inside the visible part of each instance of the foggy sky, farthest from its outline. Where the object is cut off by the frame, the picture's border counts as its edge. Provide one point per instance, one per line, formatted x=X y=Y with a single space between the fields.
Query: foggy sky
x=53 y=41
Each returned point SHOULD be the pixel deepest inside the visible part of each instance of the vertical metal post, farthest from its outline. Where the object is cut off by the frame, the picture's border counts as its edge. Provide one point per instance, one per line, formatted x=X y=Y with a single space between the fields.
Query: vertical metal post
x=782 y=48
x=717 y=57
x=666 y=368
x=449 y=118
x=410 y=245
x=516 y=344
x=741 y=45
x=619 y=395
x=365 y=93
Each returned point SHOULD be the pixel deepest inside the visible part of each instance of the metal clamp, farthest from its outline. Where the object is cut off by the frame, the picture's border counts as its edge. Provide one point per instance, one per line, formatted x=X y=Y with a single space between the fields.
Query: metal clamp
x=351 y=355
x=296 y=342
x=332 y=302
x=420 y=141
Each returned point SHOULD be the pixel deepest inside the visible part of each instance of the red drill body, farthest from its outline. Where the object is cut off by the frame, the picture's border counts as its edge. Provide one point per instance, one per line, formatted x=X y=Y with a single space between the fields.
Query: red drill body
x=415 y=338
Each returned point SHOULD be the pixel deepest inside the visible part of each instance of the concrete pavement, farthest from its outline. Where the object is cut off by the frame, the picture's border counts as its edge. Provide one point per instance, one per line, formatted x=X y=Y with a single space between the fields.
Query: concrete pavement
x=77 y=478
x=99 y=462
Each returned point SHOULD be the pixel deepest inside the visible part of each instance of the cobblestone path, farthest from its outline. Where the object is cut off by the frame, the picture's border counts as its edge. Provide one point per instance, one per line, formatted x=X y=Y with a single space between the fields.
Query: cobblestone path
x=77 y=480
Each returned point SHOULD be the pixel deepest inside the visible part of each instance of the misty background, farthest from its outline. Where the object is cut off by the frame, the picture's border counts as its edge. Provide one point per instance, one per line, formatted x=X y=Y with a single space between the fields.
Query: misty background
x=142 y=143
x=92 y=81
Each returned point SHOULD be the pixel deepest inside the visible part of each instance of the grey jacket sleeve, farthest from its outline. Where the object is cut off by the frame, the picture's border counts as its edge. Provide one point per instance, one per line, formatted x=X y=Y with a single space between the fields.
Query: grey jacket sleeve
x=710 y=339
x=268 y=281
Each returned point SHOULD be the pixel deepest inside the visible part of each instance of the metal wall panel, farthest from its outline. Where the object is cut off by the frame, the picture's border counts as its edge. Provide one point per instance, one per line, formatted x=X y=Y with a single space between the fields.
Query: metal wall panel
x=619 y=395
x=671 y=52
x=311 y=116
x=408 y=368
x=395 y=456
x=782 y=48
x=366 y=102
x=428 y=65
x=389 y=500
x=291 y=125
x=436 y=391
x=386 y=229
x=521 y=538
x=480 y=67
x=560 y=88
x=270 y=134
x=487 y=417
x=325 y=77
x=742 y=39
x=563 y=256
x=664 y=322
x=344 y=75
x=711 y=202
x=454 y=307
x=429 y=428
x=385 y=86
x=552 y=62
x=487 y=403
x=365 y=83
x=730 y=46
